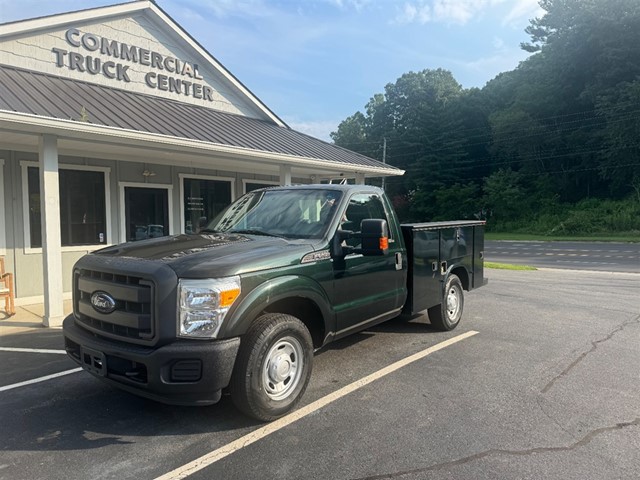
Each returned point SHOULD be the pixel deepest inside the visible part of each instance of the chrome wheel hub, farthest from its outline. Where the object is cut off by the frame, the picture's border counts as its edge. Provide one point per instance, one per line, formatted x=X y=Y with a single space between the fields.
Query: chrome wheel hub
x=282 y=368
x=453 y=303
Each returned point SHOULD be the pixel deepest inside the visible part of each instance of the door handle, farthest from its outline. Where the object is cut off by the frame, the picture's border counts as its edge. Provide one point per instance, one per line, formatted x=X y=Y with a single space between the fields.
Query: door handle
x=398 y=261
x=443 y=267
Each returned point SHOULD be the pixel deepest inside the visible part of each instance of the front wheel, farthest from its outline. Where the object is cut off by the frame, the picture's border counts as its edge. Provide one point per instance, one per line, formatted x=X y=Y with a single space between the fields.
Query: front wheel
x=446 y=316
x=273 y=367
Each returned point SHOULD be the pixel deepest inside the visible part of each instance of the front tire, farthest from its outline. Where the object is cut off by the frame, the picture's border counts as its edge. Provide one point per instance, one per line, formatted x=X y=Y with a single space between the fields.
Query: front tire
x=273 y=367
x=447 y=315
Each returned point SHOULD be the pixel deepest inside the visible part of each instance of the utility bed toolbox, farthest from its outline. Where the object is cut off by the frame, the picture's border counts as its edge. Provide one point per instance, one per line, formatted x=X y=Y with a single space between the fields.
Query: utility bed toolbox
x=432 y=248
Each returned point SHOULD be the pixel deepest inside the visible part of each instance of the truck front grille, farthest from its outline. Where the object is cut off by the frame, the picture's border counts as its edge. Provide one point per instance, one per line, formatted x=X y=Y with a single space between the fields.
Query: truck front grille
x=131 y=318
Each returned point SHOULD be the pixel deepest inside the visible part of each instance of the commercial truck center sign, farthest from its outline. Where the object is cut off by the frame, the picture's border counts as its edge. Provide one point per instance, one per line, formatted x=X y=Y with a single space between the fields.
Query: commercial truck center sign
x=167 y=73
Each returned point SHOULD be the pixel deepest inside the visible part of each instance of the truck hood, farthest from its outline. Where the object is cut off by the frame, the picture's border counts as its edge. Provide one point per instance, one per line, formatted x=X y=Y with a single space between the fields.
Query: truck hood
x=213 y=255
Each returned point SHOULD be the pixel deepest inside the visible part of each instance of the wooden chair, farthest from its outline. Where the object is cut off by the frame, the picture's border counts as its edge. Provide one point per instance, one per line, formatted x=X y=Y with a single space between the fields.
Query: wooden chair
x=6 y=289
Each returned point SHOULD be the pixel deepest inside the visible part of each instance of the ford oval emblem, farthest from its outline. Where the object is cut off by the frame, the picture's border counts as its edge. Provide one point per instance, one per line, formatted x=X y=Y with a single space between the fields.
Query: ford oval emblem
x=103 y=302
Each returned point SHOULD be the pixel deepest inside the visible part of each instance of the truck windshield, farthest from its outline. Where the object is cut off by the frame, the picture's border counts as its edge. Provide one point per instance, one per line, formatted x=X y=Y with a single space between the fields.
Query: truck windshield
x=295 y=213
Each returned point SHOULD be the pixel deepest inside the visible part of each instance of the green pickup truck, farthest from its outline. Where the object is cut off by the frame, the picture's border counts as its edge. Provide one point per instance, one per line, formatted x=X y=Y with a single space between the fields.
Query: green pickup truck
x=244 y=303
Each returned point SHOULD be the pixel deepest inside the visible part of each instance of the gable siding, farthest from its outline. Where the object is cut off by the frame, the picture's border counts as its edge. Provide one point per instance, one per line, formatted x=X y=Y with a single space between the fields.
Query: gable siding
x=34 y=52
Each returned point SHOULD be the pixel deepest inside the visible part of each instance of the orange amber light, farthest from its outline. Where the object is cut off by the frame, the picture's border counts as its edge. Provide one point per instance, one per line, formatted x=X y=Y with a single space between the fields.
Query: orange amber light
x=227 y=297
x=384 y=243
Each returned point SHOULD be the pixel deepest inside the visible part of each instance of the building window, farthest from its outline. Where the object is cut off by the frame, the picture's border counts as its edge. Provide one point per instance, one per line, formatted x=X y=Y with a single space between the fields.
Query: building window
x=203 y=199
x=250 y=186
x=83 y=216
x=146 y=212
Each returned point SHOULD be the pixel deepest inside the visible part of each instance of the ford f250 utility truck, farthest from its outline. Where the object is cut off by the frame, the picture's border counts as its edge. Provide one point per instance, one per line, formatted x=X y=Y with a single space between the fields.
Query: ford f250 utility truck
x=244 y=303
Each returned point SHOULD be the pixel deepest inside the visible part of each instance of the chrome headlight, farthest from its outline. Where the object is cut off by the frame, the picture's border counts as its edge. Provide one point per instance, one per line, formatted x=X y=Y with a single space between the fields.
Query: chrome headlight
x=203 y=304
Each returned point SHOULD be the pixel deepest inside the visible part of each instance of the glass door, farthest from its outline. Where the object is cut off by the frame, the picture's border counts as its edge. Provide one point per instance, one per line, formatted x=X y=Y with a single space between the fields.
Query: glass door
x=146 y=213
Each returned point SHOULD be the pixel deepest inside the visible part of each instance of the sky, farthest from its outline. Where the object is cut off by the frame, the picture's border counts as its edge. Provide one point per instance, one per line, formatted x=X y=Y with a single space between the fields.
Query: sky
x=316 y=62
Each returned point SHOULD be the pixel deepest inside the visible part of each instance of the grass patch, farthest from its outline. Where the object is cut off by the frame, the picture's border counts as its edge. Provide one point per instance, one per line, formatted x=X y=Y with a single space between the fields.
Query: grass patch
x=507 y=266
x=523 y=237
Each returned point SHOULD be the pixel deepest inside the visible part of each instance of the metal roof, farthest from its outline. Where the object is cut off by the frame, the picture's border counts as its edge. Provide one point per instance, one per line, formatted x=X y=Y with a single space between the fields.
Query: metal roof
x=150 y=9
x=50 y=96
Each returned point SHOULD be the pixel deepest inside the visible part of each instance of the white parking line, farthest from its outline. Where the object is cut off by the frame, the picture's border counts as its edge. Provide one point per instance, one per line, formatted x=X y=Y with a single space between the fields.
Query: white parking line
x=38 y=380
x=31 y=350
x=226 y=450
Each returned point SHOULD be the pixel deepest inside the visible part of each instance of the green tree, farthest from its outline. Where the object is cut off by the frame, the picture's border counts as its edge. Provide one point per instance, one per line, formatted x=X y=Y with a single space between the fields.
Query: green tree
x=562 y=127
x=587 y=52
x=505 y=196
x=620 y=164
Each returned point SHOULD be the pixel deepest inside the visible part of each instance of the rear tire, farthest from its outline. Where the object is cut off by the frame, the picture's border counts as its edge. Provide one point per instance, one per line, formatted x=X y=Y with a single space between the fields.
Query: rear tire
x=273 y=367
x=447 y=315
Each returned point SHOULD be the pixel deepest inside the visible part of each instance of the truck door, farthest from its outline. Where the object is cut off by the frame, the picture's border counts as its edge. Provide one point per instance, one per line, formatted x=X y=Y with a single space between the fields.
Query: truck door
x=367 y=288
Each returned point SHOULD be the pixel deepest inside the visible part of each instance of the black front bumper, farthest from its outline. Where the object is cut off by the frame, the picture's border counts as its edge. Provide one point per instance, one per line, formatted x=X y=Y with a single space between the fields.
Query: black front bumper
x=180 y=373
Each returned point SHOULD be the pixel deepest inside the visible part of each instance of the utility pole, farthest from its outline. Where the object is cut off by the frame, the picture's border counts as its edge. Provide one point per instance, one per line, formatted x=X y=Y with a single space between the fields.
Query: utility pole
x=384 y=159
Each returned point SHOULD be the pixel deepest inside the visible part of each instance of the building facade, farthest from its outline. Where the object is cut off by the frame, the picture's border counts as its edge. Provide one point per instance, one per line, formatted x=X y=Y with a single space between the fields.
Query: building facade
x=116 y=126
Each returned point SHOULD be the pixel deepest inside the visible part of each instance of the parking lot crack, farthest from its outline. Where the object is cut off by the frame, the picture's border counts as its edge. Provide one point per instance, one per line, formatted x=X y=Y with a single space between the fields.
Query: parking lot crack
x=519 y=453
x=594 y=347
x=553 y=419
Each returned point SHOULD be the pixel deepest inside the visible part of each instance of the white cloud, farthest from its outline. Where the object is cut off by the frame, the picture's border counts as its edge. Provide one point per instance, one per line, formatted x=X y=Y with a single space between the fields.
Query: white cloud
x=506 y=59
x=357 y=5
x=459 y=12
x=498 y=43
x=456 y=11
x=522 y=9
x=410 y=13
x=318 y=129
x=227 y=8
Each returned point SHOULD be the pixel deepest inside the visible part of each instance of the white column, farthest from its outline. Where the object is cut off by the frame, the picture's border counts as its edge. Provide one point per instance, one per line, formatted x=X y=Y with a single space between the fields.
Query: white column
x=359 y=178
x=285 y=174
x=51 y=242
x=3 y=233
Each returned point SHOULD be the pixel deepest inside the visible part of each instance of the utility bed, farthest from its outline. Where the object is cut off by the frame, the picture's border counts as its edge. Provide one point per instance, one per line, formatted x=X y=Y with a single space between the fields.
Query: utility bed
x=432 y=247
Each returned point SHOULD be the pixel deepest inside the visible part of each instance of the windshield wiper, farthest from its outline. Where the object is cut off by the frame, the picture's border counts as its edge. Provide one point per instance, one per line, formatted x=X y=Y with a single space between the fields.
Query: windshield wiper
x=254 y=231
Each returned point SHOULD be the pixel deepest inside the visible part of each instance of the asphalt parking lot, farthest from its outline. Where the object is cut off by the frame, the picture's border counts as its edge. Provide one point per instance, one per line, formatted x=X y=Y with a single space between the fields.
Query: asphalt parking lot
x=548 y=387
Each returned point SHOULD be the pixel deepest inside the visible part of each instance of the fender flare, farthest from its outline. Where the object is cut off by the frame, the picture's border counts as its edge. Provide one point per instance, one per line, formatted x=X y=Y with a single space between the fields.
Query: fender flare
x=450 y=270
x=272 y=291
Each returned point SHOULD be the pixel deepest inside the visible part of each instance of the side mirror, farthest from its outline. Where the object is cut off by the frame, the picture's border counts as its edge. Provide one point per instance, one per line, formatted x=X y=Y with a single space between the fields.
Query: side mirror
x=375 y=237
x=337 y=249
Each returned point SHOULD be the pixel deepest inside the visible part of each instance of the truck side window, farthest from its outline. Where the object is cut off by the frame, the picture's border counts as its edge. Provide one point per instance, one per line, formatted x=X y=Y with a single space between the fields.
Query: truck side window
x=362 y=206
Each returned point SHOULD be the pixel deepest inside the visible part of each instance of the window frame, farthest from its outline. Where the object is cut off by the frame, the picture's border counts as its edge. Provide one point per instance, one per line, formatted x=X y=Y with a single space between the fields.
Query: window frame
x=190 y=176
x=28 y=249
x=384 y=208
